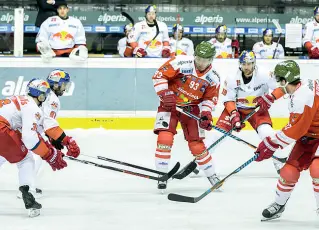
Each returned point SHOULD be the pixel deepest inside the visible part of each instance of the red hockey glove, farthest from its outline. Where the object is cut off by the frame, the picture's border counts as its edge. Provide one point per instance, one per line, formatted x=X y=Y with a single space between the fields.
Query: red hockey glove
x=235 y=121
x=141 y=52
x=265 y=102
x=54 y=158
x=206 y=120
x=314 y=52
x=266 y=149
x=166 y=53
x=168 y=99
x=73 y=148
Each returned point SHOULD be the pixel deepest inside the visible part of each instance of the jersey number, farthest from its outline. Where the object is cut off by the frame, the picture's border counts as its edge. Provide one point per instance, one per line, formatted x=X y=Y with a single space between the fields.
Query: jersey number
x=193 y=85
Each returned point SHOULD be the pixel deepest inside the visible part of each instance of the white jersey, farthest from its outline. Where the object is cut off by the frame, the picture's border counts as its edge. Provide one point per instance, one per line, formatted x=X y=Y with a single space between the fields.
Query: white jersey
x=262 y=50
x=62 y=33
x=245 y=94
x=185 y=46
x=142 y=34
x=311 y=33
x=24 y=115
x=223 y=49
x=121 y=46
x=50 y=108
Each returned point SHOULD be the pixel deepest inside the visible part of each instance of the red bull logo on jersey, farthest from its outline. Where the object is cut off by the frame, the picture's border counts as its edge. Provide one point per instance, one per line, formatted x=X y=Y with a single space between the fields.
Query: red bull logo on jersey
x=63 y=36
x=153 y=44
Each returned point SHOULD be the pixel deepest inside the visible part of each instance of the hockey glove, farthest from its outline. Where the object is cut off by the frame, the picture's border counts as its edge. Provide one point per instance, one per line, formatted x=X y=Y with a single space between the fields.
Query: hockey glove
x=166 y=53
x=265 y=102
x=168 y=99
x=54 y=158
x=72 y=146
x=314 y=52
x=140 y=52
x=206 y=120
x=266 y=149
x=235 y=121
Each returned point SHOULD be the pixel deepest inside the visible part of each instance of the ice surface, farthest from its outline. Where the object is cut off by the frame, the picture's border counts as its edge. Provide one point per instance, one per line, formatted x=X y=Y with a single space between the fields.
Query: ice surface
x=84 y=197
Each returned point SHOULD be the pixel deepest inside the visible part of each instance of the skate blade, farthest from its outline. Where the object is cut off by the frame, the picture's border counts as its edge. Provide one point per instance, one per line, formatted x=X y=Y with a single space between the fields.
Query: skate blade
x=35 y=195
x=263 y=219
x=32 y=212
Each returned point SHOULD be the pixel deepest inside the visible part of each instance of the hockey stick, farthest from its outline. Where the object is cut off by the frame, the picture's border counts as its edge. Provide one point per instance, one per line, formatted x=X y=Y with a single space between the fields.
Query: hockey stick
x=221 y=138
x=188 y=199
x=177 y=30
x=282 y=160
x=164 y=177
x=280 y=33
x=178 y=175
x=128 y=17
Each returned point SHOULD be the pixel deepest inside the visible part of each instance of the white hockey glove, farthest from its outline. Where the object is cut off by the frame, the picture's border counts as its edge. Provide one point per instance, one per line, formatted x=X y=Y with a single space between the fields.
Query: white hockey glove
x=82 y=55
x=46 y=52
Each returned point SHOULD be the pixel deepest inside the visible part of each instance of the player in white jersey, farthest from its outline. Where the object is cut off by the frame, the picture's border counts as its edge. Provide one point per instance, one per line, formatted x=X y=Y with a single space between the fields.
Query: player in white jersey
x=311 y=36
x=243 y=91
x=223 y=45
x=122 y=43
x=20 y=119
x=266 y=48
x=59 y=81
x=302 y=130
x=180 y=45
x=62 y=35
x=140 y=39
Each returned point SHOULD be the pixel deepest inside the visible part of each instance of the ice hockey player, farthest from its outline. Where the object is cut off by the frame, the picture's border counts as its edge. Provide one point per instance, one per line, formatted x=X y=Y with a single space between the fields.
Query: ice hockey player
x=63 y=36
x=186 y=81
x=122 y=43
x=224 y=46
x=179 y=44
x=302 y=130
x=266 y=48
x=311 y=36
x=20 y=118
x=242 y=92
x=140 y=39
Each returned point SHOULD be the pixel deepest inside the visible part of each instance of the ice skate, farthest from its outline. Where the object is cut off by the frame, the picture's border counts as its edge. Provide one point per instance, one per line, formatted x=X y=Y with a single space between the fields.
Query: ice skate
x=274 y=211
x=33 y=207
x=214 y=180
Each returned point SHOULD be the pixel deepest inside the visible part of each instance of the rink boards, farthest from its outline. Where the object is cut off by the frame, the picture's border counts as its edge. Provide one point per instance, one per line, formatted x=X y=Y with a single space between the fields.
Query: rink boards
x=116 y=93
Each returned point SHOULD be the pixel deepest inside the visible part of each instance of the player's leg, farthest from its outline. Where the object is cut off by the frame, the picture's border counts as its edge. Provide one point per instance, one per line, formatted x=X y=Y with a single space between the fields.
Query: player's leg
x=194 y=136
x=15 y=152
x=299 y=159
x=262 y=123
x=26 y=180
x=165 y=128
x=2 y=160
x=314 y=172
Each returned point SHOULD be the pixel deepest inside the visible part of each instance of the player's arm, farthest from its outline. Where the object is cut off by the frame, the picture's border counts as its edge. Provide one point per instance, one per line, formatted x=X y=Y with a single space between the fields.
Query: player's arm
x=166 y=48
x=256 y=50
x=132 y=47
x=298 y=126
x=45 y=6
x=313 y=51
x=80 y=52
x=299 y=123
x=281 y=52
x=121 y=46
x=190 y=49
x=42 y=41
x=160 y=83
x=56 y=134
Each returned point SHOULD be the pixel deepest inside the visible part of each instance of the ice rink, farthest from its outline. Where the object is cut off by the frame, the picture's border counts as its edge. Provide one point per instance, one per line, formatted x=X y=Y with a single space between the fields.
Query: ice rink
x=84 y=197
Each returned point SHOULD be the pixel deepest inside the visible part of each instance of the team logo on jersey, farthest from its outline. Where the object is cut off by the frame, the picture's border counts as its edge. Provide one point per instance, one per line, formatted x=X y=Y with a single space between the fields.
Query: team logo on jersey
x=208 y=78
x=258 y=87
x=37 y=116
x=238 y=82
x=34 y=127
x=54 y=105
x=63 y=36
x=203 y=88
x=53 y=19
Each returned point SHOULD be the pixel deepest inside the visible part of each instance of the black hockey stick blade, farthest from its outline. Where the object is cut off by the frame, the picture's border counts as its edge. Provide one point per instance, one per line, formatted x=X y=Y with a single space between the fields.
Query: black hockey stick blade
x=170 y=173
x=185 y=171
